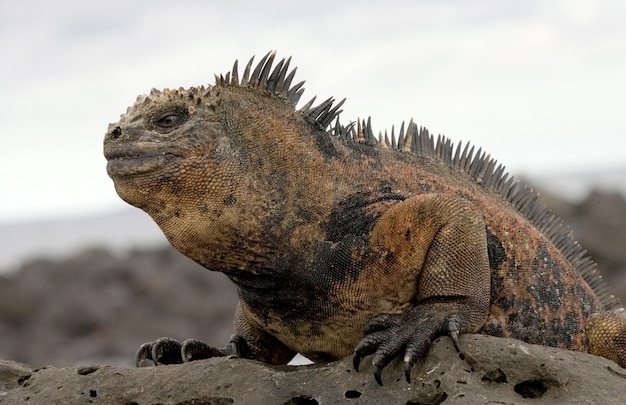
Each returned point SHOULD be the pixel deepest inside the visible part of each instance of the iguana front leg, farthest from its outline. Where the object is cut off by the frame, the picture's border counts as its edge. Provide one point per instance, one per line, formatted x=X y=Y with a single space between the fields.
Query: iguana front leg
x=247 y=342
x=441 y=241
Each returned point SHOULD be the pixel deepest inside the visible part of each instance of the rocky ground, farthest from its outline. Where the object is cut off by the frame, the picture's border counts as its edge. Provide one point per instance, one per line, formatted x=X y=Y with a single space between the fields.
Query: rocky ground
x=489 y=370
x=97 y=308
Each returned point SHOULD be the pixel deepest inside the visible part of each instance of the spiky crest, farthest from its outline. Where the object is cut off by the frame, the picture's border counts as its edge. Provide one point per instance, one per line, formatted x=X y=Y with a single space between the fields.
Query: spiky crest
x=417 y=140
x=278 y=81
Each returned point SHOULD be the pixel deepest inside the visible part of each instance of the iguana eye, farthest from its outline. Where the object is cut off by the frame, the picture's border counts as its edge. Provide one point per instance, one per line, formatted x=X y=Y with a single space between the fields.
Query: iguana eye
x=170 y=118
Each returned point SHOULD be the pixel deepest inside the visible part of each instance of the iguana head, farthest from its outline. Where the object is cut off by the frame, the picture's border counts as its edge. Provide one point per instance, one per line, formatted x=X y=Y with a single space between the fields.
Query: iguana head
x=162 y=140
x=210 y=164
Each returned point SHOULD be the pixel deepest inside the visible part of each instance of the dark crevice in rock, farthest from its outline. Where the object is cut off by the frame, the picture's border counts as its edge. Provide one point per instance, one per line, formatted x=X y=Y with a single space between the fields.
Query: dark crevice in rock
x=87 y=370
x=620 y=372
x=91 y=393
x=351 y=394
x=23 y=381
x=432 y=400
x=531 y=388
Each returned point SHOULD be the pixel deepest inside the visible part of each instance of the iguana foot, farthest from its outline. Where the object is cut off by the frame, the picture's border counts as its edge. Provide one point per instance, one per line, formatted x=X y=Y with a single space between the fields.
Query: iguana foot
x=167 y=350
x=388 y=335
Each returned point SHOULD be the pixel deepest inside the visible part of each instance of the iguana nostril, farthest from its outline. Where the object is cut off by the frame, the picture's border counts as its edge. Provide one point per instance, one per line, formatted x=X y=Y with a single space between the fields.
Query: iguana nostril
x=116 y=133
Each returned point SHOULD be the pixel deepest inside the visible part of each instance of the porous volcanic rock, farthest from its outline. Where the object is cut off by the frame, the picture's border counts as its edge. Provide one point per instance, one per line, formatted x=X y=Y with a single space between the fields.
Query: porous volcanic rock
x=489 y=370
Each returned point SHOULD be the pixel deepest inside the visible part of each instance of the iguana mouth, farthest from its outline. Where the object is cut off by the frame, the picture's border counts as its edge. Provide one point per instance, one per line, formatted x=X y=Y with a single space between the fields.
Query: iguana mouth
x=129 y=162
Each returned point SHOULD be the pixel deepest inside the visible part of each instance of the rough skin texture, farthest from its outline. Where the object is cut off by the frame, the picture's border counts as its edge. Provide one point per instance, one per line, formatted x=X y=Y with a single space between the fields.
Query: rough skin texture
x=341 y=243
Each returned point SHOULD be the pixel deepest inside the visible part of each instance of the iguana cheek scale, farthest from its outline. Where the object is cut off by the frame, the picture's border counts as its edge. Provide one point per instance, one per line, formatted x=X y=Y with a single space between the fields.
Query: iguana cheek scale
x=341 y=242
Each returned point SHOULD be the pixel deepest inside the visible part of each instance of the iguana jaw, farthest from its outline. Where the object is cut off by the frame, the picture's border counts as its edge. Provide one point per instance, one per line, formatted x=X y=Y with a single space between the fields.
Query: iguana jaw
x=124 y=165
x=137 y=158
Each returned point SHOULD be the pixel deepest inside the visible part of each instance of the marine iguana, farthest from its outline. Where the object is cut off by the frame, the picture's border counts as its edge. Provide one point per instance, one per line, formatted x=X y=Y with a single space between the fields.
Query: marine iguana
x=341 y=242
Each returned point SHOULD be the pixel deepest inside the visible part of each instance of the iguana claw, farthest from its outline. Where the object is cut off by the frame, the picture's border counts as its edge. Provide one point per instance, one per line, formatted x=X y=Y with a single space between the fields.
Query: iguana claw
x=356 y=360
x=377 y=375
x=407 y=371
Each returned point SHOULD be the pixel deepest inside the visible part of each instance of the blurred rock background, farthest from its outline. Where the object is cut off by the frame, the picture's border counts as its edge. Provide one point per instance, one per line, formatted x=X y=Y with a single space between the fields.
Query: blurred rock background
x=99 y=305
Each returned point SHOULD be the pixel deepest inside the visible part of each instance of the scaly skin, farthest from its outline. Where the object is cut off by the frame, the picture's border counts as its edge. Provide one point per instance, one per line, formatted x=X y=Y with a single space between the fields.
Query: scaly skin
x=339 y=244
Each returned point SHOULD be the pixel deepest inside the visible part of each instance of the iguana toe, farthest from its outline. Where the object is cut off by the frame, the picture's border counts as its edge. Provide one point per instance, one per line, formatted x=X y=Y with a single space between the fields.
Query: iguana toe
x=162 y=351
x=144 y=353
x=194 y=349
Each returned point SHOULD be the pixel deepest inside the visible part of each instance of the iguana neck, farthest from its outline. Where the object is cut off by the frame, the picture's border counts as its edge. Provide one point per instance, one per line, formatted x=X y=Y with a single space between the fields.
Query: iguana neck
x=277 y=195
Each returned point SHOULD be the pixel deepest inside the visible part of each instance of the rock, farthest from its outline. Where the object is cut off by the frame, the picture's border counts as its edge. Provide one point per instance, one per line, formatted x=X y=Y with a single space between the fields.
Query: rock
x=599 y=225
x=490 y=370
x=12 y=375
x=97 y=307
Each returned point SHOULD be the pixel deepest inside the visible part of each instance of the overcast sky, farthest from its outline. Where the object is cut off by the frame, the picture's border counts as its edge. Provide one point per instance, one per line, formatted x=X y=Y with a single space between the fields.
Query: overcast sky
x=539 y=84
